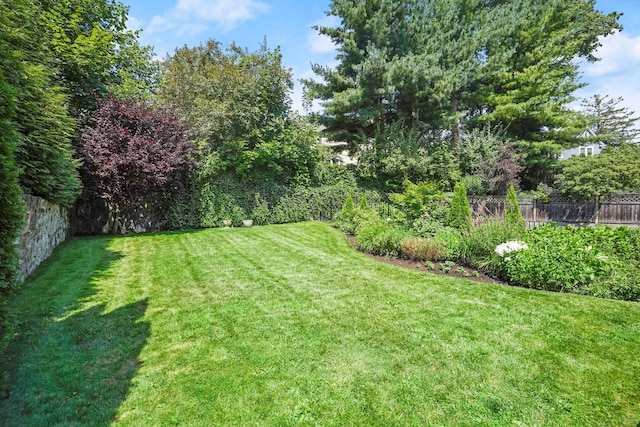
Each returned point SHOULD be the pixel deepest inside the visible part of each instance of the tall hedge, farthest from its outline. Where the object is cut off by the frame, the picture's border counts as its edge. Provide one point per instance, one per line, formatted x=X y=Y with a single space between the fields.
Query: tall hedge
x=11 y=205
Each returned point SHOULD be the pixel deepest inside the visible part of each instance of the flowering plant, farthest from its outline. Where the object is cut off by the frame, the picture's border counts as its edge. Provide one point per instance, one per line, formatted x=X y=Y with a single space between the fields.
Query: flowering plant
x=509 y=247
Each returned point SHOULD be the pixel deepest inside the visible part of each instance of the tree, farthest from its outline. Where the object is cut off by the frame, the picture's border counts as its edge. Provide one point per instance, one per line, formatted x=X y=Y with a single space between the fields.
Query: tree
x=11 y=205
x=512 y=214
x=225 y=94
x=43 y=153
x=132 y=152
x=488 y=154
x=408 y=152
x=614 y=169
x=609 y=123
x=236 y=104
x=95 y=52
x=457 y=64
x=460 y=213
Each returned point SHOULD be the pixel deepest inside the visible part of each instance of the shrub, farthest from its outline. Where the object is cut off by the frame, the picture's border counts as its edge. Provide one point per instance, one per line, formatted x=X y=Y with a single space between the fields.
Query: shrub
x=454 y=243
x=512 y=214
x=423 y=249
x=417 y=198
x=377 y=236
x=483 y=239
x=474 y=185
x=132 y=152
x=364 y=205
x=260 y=213
x=348 y=210
x=558 y=268
x=460 y=212
x=580 y=260
x=291 y=208
x=424 y=227
x=11 y=205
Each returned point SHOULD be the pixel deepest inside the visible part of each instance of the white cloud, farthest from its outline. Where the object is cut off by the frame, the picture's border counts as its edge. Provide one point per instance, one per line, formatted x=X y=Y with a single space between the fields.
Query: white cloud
x=133 y=24
x=319 y=43
x=617 y=74
x=225 y=12
x=193 y=16
x=618 y=53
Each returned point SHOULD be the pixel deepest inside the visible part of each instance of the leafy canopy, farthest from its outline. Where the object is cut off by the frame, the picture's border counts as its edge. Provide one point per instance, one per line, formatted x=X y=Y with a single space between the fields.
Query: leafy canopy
x=614 y=169
x=457 y=64
x=132 y=151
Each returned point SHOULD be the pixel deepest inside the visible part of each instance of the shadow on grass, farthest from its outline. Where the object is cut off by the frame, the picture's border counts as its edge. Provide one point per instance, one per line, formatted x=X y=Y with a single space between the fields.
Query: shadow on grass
x=63 y=364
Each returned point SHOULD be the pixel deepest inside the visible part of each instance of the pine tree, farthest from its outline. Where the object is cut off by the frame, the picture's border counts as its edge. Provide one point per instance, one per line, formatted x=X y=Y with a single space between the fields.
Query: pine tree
x=452 y=64
x=610 y=123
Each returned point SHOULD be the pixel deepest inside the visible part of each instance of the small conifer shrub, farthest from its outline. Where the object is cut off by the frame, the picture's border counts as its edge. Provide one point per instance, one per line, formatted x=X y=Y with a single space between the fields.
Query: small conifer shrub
x=460 y=213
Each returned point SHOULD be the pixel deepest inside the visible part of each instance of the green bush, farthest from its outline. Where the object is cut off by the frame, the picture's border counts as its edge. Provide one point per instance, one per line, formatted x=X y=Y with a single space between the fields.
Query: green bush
x=291 y=208
x=378 y=236
x=424 y=227
x=416 y=199
x=580 y=260
x=260 y=213
x=364 y=205
x=454 y=242
x=11 y=205
x=512 y=214
x=483 y=239
x=423 y=249
x=348 y=210
x=460 y=213
x=474 y=185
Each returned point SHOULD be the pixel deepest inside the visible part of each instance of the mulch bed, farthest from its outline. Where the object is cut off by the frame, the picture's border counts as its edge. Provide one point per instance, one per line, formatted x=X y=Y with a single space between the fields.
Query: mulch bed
x=420 y=266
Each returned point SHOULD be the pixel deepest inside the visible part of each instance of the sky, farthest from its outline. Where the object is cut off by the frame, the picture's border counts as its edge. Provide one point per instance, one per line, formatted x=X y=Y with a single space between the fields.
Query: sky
x=170 y=24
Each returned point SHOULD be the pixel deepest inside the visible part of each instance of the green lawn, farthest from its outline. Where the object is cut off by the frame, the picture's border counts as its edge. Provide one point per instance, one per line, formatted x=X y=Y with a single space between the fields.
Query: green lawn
x=287 y=325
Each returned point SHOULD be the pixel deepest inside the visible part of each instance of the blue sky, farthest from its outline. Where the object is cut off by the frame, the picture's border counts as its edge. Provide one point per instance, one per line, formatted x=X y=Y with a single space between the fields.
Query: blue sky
x=169 y=24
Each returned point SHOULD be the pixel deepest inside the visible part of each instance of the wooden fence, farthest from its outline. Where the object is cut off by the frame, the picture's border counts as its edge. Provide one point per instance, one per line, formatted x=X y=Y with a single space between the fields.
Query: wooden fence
x=620 y=209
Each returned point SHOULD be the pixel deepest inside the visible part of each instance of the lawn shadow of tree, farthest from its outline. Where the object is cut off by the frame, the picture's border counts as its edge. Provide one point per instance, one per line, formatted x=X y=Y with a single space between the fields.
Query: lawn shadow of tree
x=67 y=365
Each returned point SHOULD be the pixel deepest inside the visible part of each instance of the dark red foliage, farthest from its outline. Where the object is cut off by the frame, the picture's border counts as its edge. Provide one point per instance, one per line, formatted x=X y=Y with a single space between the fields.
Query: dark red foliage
x=131 y=151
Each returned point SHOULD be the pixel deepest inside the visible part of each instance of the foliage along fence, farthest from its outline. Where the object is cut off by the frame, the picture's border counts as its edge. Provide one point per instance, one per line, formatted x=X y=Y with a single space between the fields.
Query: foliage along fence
x=619 y=209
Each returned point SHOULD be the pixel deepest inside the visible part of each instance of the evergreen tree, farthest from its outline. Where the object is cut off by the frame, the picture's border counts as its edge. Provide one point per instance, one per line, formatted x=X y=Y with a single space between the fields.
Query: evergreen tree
x=348 y=210
x=460 y=213
x=43 y=153
x=364 y=205
x=512 y=214
x=453 y=64
x=609 y=123
x=11 y=205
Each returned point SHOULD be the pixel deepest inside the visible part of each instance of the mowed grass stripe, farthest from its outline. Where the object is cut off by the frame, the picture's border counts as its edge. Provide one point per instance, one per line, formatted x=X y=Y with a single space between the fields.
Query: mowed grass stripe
x=288 y=325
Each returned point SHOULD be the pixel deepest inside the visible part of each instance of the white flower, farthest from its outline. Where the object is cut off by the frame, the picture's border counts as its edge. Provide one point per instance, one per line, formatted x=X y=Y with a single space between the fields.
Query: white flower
x=509 y=247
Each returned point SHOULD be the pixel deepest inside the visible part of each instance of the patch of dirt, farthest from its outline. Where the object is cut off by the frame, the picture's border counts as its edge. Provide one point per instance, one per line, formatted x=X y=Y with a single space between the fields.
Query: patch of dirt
x=456 y=270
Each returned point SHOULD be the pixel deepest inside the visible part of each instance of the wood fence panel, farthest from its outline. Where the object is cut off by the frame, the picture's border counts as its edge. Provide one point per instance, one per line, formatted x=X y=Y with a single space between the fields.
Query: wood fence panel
x=623 y=209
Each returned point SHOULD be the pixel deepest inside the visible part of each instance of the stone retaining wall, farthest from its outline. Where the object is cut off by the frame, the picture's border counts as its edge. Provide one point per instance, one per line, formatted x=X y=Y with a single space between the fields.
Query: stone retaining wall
x=45 y=226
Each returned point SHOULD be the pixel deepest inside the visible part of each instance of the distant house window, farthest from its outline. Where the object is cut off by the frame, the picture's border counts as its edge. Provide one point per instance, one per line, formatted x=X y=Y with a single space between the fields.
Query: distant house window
x=586 y=151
